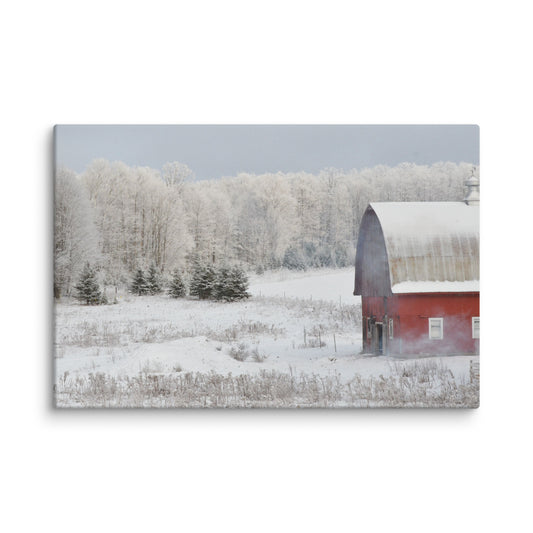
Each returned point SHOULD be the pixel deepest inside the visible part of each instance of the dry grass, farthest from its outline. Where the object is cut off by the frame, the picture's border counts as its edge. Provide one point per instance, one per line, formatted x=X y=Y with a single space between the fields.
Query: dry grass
x=242 y=352
x=101 y=333
x=329 y=314
x=422 y=385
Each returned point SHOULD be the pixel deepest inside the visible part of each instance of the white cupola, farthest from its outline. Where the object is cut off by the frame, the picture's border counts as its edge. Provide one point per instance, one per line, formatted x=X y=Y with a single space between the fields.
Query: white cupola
x=472 y=193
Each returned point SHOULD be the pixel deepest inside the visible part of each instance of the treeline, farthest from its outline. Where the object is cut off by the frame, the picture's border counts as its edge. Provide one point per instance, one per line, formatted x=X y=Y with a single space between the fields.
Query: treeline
x=122 y=218
x=206 y=282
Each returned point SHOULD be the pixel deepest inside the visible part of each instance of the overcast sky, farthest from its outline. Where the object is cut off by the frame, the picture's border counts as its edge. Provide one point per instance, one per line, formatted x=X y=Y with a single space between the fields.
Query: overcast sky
x=215 y=151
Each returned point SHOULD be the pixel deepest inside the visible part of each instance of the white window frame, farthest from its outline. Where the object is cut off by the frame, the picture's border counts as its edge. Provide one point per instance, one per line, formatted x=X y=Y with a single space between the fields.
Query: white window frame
x=474 y=320
x=391 y=328
x=439 y=321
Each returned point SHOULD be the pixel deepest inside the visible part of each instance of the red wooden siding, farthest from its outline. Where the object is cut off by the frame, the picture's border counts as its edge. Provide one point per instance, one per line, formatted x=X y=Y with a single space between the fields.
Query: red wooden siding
x=405 y=249
x=410 y=314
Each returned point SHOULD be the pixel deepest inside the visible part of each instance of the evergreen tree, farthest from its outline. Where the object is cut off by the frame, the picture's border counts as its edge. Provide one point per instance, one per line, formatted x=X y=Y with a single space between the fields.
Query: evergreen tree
x=138 y=285
x=104 y=300
x=237 y=285
x=153 y=281
x=177 y=286
x=194 y=286
x=202 y=281
x=87 y=288
x=221 y=285
x=293 y=259
x=341 y=256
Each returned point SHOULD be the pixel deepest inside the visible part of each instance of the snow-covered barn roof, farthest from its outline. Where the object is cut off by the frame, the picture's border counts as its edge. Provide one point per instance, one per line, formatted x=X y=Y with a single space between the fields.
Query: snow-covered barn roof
x=428 y=247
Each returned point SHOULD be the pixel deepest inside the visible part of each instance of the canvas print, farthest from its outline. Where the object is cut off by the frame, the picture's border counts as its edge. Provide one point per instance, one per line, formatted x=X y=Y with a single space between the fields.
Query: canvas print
x=266 y=266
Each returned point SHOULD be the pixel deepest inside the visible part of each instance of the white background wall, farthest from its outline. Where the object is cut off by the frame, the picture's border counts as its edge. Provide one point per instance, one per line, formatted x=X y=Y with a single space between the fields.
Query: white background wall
x=276 y=62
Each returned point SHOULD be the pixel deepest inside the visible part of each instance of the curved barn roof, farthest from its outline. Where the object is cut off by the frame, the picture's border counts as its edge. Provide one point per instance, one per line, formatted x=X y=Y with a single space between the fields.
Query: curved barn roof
x=429 y=246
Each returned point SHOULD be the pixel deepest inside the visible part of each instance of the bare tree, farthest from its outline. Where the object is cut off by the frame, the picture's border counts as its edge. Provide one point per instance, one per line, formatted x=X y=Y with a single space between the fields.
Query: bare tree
x=75 y=237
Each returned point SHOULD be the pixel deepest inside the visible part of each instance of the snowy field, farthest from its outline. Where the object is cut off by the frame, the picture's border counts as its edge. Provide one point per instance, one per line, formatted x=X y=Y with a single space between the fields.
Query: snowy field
x=298 y=331
x=335 y=285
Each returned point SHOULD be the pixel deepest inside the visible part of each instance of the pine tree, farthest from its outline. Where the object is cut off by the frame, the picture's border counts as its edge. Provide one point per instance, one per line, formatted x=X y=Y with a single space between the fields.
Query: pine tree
x=177 y=286
x=293 y=259
x=222 y=284
x=206 y=282
x=194 y=287
x=236 y=285
x=139 y=285
x=153 y=282
x=202 y=281
x=87 y=288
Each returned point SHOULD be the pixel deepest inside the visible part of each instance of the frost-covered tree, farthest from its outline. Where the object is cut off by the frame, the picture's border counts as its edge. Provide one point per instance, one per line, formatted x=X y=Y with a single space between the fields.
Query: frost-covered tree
x=153 y=280
x=75 y=235
x=264 y=218
x=221 y=284
x=87 y=288
x=140 y=218
x=177 y=287
x=139 y=286
x=176 y=174
x=202 y=281
x=305 y=189
x=230 y=284
x=279 y=215
x=210 y=221
x=143 y=216
x=237 y=286
x=293 y=259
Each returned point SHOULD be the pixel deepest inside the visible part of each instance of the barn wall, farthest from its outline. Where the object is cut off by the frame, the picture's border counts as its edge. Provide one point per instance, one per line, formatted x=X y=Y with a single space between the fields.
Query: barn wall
x=456 y=309
x=380 y=309
x=372 y=277
x=410 y=314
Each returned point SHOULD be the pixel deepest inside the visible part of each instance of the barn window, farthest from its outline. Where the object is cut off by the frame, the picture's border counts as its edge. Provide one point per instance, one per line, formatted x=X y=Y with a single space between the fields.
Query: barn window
x=391 y=329
x=435 y=328
x=475 y=327
x=368 y=328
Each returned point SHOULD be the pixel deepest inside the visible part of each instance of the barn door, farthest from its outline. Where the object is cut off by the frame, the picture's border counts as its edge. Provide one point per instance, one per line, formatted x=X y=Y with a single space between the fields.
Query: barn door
x=376 y=329
x=379 y=338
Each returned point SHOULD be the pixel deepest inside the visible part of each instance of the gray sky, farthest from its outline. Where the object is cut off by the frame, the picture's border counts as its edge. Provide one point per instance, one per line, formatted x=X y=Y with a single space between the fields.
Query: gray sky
x=215 y=151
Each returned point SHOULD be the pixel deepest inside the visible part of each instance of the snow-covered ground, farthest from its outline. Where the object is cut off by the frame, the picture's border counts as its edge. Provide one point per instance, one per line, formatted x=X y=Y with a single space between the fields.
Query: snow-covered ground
x=326 y=284
x=299 y=323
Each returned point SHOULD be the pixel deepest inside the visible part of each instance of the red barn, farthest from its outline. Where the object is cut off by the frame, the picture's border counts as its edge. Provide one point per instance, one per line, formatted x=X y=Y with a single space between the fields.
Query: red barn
x=417 y=271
